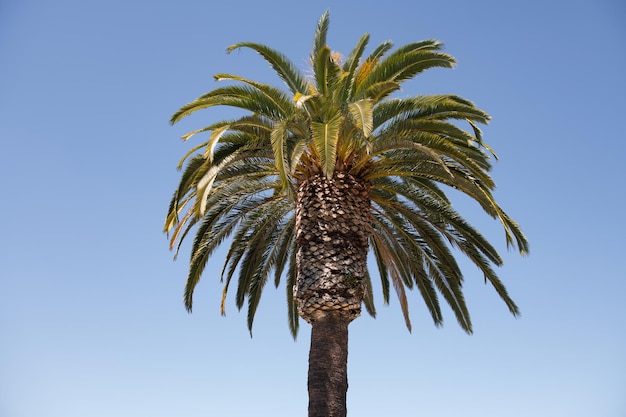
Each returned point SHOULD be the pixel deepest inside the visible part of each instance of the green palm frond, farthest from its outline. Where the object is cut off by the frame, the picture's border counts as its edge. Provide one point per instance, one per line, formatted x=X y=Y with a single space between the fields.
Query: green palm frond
x=361 y=111
x=324 y=70
x=292 y=305
x=406 y=62
x=277 y=138
x=368 y=299
x=272 y=94
x=245 y=97
x=351 y=65
x=379 y=52
x=391 y=261
x=319 y=38
x=284 y=68
x=325 y=136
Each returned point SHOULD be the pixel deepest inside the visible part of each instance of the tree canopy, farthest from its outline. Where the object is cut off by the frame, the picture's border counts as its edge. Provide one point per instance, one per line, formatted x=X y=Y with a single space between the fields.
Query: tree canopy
x=240 y=183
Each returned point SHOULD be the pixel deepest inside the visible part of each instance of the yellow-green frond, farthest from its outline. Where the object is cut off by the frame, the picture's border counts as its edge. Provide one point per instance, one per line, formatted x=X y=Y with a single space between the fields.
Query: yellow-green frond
x=361 y=111
x=325 y=137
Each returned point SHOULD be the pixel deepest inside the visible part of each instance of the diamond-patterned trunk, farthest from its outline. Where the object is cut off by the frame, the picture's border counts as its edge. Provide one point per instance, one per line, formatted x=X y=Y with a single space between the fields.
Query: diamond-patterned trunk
x=333 y=225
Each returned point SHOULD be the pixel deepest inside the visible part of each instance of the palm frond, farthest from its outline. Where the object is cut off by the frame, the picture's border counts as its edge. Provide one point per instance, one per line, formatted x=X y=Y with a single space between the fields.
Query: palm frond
x=361 y=111
x=392 y=264
x=351 y=66
x=292 y=304
x=405 y=63
x=368 y=300
x=325 y=137
x=319 y=38
x=285 y=69
x=279 y=148
x=244 y=97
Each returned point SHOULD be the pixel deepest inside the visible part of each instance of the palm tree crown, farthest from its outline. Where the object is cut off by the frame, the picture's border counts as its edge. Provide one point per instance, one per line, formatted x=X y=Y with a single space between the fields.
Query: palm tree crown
x=340 y=126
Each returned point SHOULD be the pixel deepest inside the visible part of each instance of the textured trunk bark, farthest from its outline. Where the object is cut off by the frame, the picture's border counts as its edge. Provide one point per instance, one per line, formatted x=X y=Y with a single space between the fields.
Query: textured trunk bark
x=328 y=367
x=333 y=226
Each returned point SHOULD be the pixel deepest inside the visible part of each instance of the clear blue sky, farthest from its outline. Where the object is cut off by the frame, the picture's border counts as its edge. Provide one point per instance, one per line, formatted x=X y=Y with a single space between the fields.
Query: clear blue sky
x=91 y=316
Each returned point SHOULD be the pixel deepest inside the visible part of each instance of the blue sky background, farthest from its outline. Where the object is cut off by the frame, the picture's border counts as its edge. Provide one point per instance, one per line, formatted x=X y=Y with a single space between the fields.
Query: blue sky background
x=91 y=317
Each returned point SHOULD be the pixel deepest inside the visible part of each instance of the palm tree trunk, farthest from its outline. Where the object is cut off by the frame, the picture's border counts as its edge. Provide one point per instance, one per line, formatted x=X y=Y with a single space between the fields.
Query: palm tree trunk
x=333 y=226
x=328 y=367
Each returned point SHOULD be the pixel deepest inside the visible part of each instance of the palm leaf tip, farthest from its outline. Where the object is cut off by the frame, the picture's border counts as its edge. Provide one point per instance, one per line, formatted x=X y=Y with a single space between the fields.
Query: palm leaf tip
x=320 y=34
x=188 y=301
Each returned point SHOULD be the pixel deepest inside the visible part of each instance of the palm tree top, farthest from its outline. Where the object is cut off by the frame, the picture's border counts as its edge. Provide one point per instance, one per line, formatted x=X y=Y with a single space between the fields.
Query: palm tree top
x=242 y=182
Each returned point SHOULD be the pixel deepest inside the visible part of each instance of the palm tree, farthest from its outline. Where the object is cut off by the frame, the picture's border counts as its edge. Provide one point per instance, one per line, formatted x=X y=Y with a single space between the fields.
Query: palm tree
x=310 y=178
